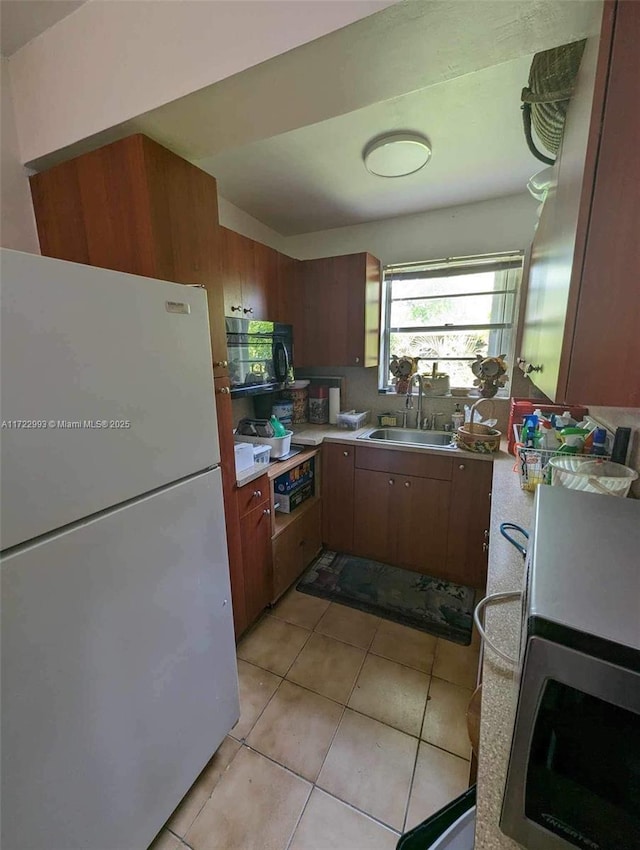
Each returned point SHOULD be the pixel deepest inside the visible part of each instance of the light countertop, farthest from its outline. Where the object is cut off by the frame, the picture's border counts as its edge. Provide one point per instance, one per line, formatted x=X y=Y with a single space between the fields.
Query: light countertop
x=499 y=692
x=315 y=435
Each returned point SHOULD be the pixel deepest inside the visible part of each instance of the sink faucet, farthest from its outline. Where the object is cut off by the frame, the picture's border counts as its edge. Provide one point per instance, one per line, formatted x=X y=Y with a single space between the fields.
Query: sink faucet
x=409 y=402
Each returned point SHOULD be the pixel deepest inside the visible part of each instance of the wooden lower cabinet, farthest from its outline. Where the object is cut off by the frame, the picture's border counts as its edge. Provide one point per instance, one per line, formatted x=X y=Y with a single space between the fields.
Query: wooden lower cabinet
x=434 y=521
x=373 y=531
x=338 y=468
x=420 y=517
x=294 y=549
x=255 y=529
x=401 y=519
x=469 y=522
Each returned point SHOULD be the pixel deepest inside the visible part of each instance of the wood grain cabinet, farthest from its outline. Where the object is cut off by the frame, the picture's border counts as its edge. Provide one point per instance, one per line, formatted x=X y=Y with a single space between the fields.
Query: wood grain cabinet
x=424 y=512
x=249 y=273
x=255 y=529
x=580 y=339
x=336 y=311
x=399 y=518
x=338 y=477
x=469 y=521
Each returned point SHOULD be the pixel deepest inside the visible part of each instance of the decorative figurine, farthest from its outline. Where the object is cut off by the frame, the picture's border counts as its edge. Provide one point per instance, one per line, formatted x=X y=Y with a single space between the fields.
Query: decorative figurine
x=402 y=369
x=490 y=374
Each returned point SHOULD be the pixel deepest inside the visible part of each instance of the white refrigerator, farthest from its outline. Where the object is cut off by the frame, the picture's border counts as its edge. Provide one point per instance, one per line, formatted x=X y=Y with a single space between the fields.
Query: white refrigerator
x=119 y=677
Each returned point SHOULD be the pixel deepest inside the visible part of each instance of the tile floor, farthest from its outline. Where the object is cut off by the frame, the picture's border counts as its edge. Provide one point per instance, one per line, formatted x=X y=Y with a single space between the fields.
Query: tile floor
x=352 y=731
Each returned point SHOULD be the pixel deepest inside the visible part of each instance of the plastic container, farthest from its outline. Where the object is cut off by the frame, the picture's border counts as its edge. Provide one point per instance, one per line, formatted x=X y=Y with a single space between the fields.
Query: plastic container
x=243 y=453
x=283 y=410
x=319 y=405
x=450 y=828
x=299 y=399
x=351 y=420
x=279 y=445
x=261 y=455
x=592 y=476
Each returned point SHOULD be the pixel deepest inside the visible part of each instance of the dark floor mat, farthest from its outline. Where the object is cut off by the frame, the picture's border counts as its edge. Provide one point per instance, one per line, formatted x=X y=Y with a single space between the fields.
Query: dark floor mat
x=432 y=605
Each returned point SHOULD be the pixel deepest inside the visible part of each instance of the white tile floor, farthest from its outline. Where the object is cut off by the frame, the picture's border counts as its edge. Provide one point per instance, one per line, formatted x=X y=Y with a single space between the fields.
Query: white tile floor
x=352 y=731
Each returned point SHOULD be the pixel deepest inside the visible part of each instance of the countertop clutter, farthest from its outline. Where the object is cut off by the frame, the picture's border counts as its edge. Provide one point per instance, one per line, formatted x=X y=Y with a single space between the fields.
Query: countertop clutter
x=315 y=435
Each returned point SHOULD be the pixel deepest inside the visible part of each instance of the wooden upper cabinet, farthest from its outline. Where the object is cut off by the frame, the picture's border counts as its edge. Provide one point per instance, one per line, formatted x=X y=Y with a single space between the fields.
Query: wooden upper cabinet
x=583 y=305
x=336 y=311
x=136 y=207
x=249 y=272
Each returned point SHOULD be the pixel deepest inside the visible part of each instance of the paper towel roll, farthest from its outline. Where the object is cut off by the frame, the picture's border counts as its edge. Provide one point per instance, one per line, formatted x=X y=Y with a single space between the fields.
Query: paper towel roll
x=334 y=404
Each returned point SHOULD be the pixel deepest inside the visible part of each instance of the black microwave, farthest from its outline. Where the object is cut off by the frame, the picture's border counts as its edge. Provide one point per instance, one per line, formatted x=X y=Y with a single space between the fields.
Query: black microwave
x=573 y=779
x=260 y=355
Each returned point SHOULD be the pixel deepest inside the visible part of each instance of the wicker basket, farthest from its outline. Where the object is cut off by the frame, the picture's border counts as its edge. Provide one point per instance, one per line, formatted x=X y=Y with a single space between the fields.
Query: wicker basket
x=475 y=437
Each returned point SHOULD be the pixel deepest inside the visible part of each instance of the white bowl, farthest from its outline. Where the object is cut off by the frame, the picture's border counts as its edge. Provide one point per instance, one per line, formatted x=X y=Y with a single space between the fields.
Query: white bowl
x=298 y=385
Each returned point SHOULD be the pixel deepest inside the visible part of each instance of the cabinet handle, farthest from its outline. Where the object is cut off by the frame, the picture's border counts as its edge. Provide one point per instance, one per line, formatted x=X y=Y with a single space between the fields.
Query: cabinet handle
x=302 y=542
x=236 y=309
x=247 y=310
x=486 y=534
x=222 y=364
x=528 y=369
x=257 y=494
x=346 y=454
x=223 y=391
x=357 y=359
x=407 y=484
x=266 y=512
x=392 y=481
x=461 y=466
x=485 y=546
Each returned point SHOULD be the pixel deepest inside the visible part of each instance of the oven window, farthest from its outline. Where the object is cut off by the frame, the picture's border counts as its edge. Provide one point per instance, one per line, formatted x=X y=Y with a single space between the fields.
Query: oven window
x=583 y=777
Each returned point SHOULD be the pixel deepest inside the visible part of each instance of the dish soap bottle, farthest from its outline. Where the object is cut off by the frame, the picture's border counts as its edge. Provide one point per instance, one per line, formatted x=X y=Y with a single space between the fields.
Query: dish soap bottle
x=457 y=418
x=278 y=428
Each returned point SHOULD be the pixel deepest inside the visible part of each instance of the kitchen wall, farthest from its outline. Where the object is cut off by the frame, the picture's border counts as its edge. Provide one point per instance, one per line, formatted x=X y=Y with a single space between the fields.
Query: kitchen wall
x=498 y=224
x=17 y=223
x=236 y=219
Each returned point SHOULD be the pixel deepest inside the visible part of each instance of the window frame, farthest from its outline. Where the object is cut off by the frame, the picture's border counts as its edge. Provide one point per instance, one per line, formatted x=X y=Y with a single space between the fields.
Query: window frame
x=509 y=261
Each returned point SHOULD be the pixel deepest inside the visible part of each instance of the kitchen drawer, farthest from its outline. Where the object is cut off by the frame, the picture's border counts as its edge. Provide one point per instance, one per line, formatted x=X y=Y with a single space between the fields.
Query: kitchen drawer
x=418 y=464
x=253 y=494
x=295 y=548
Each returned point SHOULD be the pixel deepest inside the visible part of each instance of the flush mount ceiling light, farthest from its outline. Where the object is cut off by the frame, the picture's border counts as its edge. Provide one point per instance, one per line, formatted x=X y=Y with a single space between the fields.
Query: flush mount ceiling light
x=396 y=154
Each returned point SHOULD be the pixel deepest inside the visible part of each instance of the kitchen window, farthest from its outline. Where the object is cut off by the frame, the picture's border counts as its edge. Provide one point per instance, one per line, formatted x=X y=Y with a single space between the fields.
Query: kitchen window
x=449 y=311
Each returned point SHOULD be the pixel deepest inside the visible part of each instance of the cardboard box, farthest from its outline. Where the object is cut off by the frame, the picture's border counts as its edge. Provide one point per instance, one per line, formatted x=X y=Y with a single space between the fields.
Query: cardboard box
x=287 y=504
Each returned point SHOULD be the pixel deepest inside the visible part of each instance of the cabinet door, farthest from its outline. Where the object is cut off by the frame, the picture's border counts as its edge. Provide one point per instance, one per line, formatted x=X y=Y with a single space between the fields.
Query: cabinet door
x=338 y=496
x=234 y=267
x=336 y=317
x=469 y=521
x=256 y=557
x=260 y=290
x=374 y=534
x=421 y=515
x=232 y=520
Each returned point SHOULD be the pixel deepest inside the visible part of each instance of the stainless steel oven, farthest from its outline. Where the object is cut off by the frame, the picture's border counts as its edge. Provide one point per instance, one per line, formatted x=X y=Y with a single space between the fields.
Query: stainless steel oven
x=260 y=356
x=574 y=768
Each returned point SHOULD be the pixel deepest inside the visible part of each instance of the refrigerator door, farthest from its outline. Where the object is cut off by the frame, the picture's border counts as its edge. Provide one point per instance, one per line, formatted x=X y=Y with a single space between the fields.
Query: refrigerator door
x=107 y=390
x=118 y=670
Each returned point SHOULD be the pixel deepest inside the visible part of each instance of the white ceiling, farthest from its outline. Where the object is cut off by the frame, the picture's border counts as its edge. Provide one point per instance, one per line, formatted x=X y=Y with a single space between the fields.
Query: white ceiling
x=23 y=20
x=313 y=178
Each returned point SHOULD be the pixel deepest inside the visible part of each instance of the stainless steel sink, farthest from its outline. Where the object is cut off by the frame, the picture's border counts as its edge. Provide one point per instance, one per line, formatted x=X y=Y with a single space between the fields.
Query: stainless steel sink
x=410 y=437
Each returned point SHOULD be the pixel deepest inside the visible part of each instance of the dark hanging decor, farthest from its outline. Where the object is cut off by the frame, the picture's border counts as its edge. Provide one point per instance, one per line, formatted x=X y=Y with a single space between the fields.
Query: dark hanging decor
x=546 y=98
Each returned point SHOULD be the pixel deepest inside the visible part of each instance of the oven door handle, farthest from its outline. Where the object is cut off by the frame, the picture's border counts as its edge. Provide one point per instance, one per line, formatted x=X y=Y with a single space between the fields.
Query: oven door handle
x=279 y=347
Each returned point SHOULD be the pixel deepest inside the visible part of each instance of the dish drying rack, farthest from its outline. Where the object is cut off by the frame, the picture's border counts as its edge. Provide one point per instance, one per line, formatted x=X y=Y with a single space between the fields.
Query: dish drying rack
x=532 y=464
